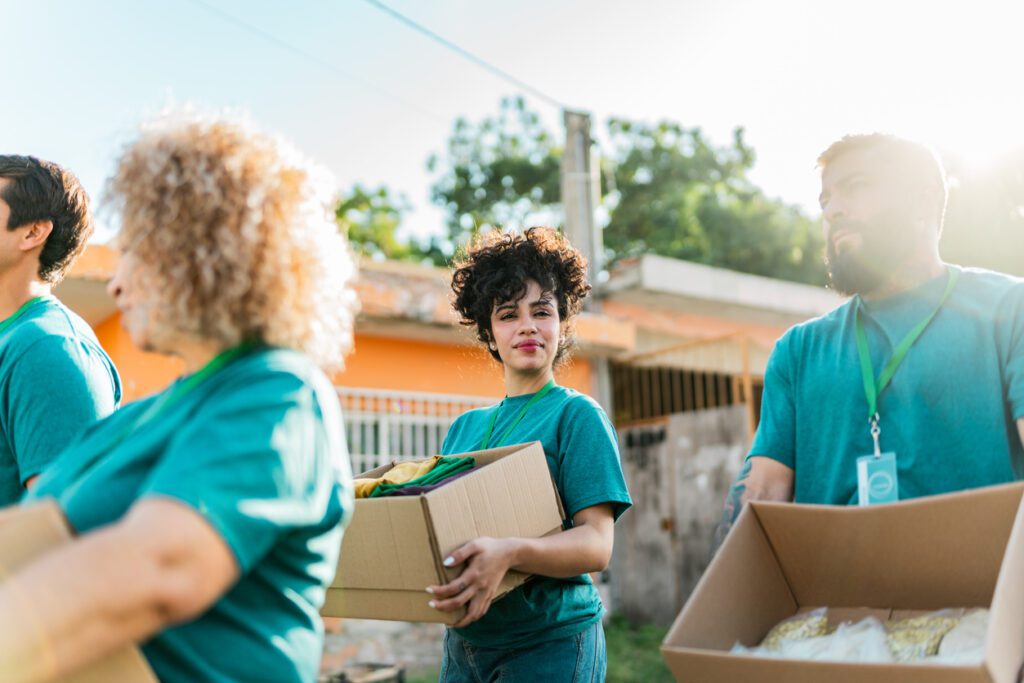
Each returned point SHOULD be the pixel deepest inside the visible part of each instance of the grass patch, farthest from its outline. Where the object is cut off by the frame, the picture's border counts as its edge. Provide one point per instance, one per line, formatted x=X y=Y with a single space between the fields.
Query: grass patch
x=423 y=676
x=633 y=655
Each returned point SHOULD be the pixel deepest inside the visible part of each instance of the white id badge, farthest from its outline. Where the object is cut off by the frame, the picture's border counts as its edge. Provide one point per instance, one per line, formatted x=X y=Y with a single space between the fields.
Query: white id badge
x=876 y=479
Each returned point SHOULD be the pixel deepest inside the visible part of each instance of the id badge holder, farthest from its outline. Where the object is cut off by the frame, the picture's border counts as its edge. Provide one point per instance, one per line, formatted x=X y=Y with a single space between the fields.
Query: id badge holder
x=876 y=479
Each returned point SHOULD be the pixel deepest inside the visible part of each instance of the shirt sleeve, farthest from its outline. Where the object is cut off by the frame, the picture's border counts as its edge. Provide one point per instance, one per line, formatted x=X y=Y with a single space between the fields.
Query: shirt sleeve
x=1011 y=324
x=256 y=462
x=55 y=391
x=776 y=432
x=590 y=471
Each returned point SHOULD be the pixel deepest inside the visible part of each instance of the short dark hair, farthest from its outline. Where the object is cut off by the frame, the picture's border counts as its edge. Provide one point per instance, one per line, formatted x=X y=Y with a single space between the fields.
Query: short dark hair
x=495 y=268
x=43 y=191
x=918 y=159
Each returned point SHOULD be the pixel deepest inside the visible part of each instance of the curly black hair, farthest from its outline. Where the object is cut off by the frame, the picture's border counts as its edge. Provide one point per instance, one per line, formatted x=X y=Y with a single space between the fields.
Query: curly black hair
x=496 y=266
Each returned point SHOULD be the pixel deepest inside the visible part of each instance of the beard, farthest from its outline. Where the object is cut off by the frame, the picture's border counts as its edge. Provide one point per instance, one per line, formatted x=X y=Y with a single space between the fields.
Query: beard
x=886 y=245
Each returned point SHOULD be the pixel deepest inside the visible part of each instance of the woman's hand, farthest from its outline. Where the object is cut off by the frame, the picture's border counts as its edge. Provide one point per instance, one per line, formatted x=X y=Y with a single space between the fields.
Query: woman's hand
x=585 y=548
x=486 y=561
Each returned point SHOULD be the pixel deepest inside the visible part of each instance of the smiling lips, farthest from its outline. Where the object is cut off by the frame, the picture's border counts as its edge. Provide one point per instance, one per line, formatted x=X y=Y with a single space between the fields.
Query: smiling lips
x=528 y=346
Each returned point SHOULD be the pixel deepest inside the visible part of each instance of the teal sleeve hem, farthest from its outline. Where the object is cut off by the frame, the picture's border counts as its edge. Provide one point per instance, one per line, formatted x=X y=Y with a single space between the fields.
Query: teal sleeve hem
x=26 y=473
x=771 y=456
x=620 y=503
x=1017 y=407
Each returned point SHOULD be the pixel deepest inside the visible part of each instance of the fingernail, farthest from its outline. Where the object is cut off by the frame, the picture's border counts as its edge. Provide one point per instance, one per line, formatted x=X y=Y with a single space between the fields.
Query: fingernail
x=449 y=561
x=430 y=590
x=432 y=604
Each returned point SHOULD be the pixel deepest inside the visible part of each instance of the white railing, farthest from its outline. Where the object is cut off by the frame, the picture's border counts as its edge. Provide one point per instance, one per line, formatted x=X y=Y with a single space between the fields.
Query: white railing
x=382 y=426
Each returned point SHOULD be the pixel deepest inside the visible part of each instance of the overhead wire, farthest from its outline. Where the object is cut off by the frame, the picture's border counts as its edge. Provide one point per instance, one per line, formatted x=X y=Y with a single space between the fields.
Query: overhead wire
x=466 y=54
x=324 y=64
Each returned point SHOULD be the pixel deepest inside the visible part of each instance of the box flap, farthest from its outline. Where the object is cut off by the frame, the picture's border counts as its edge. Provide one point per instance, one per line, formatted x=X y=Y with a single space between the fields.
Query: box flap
x=511 y=495
x=740 y=597
x=492 y=455
x=1005 y=639
x=389 y=605
x=895 y=556
x=387 y=546
x=29 y=531
x=127 y=665
x=694 y=666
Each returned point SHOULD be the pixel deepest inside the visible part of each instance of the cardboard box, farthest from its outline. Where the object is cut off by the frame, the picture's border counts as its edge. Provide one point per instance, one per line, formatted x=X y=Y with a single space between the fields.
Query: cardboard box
x=958 y=550
x=395 y=546
x=27 y=532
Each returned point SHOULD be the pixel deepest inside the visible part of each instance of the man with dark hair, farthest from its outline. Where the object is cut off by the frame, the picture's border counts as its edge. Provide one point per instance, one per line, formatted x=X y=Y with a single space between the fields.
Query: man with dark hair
x=913 y=387
x=55 y=379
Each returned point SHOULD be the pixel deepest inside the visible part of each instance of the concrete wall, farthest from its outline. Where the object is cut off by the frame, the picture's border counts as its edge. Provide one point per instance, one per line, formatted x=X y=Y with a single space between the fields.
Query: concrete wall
x=678 y=472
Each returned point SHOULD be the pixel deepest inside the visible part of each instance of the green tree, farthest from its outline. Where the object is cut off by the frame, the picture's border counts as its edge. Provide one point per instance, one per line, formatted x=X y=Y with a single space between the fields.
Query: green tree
x=372 y=218
x=503 y=171
x=671 y=192
x=678 y=195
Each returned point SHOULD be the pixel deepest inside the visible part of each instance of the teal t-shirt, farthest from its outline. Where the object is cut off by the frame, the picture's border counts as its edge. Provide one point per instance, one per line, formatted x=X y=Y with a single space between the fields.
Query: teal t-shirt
x=583 y=455
x=258 y=449
x=55 y=380
x=949 y=413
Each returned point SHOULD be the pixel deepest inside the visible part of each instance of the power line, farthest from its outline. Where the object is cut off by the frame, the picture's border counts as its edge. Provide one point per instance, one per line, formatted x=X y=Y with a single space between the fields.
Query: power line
x=500 y=73
x=256 y=30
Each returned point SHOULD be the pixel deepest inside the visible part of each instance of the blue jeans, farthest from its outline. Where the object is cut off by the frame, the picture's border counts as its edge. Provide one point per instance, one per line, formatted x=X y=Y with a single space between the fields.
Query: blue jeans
x=581 y=658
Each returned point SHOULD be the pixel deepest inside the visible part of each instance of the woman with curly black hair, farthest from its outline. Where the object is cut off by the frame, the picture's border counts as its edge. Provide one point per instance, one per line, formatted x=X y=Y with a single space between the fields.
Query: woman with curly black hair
x=520 y=293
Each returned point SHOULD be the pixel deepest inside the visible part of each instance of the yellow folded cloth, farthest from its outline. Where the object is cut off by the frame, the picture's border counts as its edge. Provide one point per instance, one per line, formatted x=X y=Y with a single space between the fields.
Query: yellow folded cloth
x=399 y=474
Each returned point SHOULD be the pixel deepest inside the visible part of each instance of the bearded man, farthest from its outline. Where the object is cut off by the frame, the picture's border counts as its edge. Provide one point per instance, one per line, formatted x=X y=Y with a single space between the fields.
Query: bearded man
x=913 y=387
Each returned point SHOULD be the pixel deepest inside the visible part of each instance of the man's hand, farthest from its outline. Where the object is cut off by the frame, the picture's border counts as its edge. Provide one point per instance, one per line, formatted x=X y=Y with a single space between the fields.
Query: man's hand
x=760 y=479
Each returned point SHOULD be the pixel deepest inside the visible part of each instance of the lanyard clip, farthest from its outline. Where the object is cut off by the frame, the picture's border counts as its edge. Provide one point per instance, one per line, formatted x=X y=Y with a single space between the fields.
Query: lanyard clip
x=876 y=433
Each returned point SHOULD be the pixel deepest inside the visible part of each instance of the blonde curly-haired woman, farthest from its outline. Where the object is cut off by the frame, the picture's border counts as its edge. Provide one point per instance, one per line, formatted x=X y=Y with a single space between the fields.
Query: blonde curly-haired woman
x=209 y=515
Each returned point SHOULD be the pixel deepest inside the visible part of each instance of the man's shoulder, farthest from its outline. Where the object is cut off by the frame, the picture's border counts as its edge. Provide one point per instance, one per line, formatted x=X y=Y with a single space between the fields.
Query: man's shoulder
x=823 y=326
x=51 y=321
x=989 y=285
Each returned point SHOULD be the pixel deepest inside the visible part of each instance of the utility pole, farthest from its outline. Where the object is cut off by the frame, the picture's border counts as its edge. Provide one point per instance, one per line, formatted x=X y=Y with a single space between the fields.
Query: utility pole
x=581 y=188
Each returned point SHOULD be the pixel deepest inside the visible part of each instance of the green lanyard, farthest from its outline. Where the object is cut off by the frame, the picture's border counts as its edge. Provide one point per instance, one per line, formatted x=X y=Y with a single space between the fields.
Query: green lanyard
x=519 y=418
x=21 y=310
x=183 y=387
x=872 y=388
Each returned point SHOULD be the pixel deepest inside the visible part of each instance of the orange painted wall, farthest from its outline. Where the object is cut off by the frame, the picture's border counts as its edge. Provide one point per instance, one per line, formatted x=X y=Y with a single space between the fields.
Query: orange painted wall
x=141 y=373
x=406 y=365
x=376 y=363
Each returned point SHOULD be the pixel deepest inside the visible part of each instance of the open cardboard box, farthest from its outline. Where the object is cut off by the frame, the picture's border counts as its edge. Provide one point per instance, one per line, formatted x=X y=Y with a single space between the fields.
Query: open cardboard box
x=957 y=550
x=27 y=532
x=394 y=547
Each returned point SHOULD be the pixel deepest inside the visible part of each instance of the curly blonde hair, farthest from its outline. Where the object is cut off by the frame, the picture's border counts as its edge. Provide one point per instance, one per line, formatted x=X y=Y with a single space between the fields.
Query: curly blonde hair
x=237 y=235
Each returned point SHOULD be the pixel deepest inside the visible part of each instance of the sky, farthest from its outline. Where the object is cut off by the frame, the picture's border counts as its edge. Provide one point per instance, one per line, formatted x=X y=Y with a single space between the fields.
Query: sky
x=372 y=99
